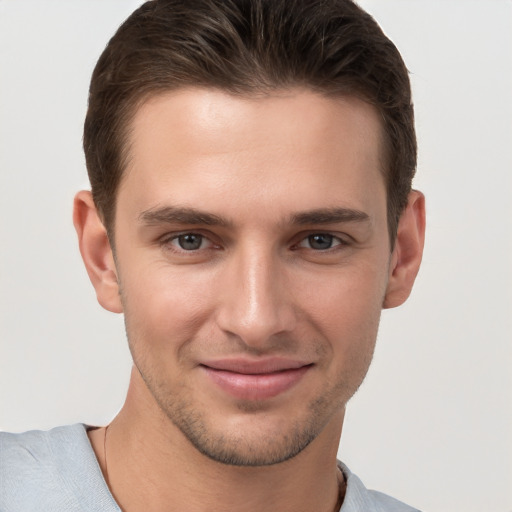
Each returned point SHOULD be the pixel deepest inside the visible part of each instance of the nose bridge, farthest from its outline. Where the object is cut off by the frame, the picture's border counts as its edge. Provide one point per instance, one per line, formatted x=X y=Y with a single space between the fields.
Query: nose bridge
x=259 y=275
x=255 y=305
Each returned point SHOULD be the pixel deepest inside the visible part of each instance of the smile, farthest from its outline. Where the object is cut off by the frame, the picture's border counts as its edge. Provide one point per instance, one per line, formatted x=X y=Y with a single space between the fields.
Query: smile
x=255 y=380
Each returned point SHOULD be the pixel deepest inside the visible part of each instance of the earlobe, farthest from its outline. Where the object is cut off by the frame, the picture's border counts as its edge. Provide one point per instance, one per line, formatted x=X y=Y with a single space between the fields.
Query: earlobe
x=96 y=251
x=408 y=251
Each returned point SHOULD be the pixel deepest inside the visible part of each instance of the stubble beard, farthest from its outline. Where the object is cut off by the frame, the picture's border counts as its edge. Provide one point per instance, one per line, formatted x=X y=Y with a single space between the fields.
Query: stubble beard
x=237 y=448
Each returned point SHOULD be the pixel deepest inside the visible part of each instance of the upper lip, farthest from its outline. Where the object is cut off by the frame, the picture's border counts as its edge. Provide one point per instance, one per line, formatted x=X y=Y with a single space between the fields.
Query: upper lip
x=255 y=366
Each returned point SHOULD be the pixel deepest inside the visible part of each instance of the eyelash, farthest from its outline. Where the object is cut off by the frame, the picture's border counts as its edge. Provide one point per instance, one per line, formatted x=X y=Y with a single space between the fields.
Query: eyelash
x=338 y=242
x=167 y=242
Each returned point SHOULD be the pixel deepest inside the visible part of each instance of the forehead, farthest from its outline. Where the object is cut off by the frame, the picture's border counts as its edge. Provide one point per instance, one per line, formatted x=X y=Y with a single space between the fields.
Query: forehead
x=293 y=146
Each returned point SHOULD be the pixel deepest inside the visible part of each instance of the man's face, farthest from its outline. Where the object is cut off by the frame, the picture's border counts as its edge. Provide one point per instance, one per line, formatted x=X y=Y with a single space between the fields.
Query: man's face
x=253 y=257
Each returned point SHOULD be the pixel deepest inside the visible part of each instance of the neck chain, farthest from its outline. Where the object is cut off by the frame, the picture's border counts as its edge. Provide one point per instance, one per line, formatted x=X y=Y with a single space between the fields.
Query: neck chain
x=342 y=488
x=105 y=455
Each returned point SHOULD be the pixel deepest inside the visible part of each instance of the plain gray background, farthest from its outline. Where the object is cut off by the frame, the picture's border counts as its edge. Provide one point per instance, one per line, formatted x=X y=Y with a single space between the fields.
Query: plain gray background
x=432 y=423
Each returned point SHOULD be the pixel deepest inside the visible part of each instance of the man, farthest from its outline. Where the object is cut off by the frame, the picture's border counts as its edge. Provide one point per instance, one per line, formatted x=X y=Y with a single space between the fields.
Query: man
x=251 y=214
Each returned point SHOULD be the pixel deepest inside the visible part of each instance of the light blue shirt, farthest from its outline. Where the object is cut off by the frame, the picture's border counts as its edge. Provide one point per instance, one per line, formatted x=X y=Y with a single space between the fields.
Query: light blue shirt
x=57 y=471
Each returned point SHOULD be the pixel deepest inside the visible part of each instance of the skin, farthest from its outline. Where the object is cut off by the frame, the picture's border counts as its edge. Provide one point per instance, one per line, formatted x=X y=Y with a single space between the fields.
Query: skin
x=258 y=286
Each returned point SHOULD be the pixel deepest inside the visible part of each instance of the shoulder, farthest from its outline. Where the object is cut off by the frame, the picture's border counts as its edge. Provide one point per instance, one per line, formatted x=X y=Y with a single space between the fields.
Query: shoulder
x=37 y=450
x=47 y=470
x=29 y=453
x=359 y=498
x=34 y=443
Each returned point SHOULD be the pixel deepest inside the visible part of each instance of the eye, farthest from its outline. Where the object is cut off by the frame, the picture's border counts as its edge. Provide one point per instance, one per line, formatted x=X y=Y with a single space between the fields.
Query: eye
x=189 y=241
x=320 y=241
x=189 y=246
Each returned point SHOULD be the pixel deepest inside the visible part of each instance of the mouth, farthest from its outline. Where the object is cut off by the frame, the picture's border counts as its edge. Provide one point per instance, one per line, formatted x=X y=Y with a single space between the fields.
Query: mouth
x=255 y=379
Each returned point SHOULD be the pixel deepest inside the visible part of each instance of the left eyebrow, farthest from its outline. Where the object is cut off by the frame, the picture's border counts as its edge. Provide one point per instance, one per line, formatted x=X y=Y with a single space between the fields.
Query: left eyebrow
x=181 y=215
x=330 y=216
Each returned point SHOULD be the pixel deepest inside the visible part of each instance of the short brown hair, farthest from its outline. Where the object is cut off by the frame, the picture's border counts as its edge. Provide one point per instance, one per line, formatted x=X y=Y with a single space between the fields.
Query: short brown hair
x=247 y=47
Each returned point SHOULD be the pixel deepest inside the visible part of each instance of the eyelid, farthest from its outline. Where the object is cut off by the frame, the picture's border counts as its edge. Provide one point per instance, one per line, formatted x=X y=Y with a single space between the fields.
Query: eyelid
x=336 y=242
x=167 y=239
x=342 y=239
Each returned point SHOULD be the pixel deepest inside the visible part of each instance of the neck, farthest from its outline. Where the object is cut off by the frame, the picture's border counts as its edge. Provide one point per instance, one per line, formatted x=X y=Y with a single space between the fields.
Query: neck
x=153 y=467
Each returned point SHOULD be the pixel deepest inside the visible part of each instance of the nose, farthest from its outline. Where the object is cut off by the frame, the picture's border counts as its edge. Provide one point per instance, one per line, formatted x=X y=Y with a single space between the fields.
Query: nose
x=255 y=303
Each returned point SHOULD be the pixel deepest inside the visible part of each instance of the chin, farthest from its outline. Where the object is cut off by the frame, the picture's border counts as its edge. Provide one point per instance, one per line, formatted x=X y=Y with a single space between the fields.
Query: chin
x=255 y=435
x=247 y=447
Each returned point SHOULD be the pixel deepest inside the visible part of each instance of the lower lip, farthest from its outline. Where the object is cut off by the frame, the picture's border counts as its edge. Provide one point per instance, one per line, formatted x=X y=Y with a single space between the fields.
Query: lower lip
x=258 y=386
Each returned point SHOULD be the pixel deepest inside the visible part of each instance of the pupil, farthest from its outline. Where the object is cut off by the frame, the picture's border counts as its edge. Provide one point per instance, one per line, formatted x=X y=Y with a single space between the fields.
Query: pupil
x=190 y=242
x=320 y=241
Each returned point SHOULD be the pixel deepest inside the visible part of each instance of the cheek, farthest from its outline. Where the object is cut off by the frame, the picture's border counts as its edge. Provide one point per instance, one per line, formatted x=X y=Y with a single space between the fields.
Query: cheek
x=345 y=309
x=345 y=294
x=165 y=307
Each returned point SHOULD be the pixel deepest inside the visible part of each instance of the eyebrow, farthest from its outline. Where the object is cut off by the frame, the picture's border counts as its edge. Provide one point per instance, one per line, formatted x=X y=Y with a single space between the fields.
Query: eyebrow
x=330 y=216
x=193 y=216
x=181 y=215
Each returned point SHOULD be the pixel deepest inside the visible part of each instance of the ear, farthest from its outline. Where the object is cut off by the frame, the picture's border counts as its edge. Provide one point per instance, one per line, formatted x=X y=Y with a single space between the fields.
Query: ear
x=96 y=252
x=407 y=253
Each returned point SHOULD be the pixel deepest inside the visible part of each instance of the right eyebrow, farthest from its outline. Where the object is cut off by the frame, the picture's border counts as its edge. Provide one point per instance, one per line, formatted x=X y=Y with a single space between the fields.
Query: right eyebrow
x=181 y=215
x=330 y=216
